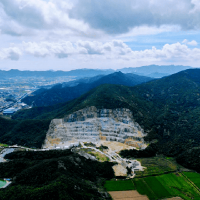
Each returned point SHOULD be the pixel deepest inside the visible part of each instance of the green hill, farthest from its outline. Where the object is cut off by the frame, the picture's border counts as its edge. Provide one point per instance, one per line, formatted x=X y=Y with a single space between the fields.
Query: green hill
x=63 y=93
x=53 y=175
x=168 y=109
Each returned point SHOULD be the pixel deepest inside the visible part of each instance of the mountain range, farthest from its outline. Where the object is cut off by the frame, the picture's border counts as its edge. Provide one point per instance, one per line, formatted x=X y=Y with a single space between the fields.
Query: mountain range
x=154 y=71
x=69 y=91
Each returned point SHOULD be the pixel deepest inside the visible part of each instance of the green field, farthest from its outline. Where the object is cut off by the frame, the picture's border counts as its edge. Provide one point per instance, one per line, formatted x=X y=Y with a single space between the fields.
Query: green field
x=194 y=177
x=157 y=166
x=158 y=187
x=120 y=185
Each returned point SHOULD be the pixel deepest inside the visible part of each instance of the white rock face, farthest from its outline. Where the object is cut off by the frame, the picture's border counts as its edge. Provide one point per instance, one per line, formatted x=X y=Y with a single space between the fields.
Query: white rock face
x=92 y=125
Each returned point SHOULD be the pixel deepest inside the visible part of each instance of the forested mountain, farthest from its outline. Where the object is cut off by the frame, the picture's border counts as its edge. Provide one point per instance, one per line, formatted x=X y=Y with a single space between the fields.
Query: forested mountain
x=63 y=93
x=29 y=133
x=168 y=109
x=54 y=175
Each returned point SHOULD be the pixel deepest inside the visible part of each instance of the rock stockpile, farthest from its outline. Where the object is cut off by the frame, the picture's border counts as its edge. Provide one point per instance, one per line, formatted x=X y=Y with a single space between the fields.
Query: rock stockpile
x=93 y=125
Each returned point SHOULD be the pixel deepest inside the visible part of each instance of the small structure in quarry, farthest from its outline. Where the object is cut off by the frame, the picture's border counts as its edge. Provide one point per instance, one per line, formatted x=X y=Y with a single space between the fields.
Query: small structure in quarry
x=93 y=125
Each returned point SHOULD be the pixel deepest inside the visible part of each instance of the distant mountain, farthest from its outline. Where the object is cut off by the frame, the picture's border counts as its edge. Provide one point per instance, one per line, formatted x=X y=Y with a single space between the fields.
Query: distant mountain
x=156 y=71
x=79 y=73
x=65 y=92
x=82 y=80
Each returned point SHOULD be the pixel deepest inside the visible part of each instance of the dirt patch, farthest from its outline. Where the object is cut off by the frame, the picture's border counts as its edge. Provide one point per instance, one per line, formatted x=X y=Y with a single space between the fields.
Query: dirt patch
x=132 y=143
x=127 y=195
x=120 y=170
x=53 y=141
x=115 y=146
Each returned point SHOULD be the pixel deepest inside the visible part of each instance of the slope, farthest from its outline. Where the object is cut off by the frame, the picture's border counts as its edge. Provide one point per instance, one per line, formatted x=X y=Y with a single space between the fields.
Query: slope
x=167 y=108
x=61 y=93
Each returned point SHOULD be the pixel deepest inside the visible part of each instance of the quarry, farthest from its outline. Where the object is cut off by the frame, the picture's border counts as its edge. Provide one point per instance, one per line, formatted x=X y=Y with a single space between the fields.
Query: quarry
x=95 y=125
x=114 y=129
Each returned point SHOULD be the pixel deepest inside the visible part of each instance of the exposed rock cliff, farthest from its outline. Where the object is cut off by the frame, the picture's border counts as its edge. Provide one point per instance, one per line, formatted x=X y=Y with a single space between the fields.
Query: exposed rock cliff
x=92 y=125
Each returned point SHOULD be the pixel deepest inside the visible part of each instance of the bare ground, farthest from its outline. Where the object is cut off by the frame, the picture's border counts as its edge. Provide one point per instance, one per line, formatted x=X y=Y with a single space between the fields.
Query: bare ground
x=127 y=195
x=115 y=146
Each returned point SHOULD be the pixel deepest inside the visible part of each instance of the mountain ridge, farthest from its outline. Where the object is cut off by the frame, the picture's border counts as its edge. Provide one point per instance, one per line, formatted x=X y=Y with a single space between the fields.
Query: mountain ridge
x=60 y=93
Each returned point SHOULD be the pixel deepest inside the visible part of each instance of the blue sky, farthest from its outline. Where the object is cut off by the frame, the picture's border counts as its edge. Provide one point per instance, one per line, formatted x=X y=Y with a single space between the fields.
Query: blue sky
x=66 y=34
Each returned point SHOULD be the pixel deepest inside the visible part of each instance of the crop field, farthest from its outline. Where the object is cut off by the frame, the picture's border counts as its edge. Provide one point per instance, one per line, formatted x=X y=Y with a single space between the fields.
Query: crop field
x=120 y=185
x=156 y=166
x=158 y=187
x=194 y=177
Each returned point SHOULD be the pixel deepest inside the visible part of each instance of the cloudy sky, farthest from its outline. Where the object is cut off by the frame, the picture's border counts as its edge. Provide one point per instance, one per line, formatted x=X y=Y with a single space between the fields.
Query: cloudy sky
x=70 y=34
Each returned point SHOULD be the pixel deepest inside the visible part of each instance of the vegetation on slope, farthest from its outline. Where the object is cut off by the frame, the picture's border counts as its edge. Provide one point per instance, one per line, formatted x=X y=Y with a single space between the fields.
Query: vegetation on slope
x=168 y=109
x=54 y=175
x=29 y=133
x=61 y=93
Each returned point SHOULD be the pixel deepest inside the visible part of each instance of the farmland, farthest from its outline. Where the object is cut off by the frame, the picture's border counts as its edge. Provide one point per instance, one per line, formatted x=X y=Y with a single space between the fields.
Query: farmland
x=194 y=177
x=120 y=185
x=157 y=166
x=158 y=187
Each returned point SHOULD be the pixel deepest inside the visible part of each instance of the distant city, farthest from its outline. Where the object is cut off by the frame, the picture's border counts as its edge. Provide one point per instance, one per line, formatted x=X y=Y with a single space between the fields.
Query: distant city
x=13 y=90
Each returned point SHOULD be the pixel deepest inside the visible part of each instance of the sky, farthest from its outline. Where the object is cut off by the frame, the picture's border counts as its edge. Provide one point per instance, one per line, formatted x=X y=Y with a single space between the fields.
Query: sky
x=75 y=34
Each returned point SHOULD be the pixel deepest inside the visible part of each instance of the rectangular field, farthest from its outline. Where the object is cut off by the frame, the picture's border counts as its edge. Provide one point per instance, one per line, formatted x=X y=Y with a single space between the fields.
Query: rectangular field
x=127 y=195
x=177 y=185
x=158 y=187
x=156 y=166
x=119 y=185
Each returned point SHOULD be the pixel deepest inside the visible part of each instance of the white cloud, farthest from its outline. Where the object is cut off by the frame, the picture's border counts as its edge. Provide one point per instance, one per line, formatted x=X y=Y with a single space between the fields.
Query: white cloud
x=113 y=50
x=191 y=43
x=43 y=49
x=39 y=15
x=12 y=53
x=89 y=18
x=117 y=17
x=64 y=49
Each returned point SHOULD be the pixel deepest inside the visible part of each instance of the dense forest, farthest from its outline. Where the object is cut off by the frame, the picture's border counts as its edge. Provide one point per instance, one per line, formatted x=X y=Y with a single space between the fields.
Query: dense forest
x=53 y=175
x=63 y=92
x=30 y=133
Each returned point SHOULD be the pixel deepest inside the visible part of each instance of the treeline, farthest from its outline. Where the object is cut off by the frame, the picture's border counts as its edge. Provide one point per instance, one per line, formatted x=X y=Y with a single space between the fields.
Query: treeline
x=30 y=133
x=184 y=154
x=54 y=175
x=150 y=151
x=190 y=159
